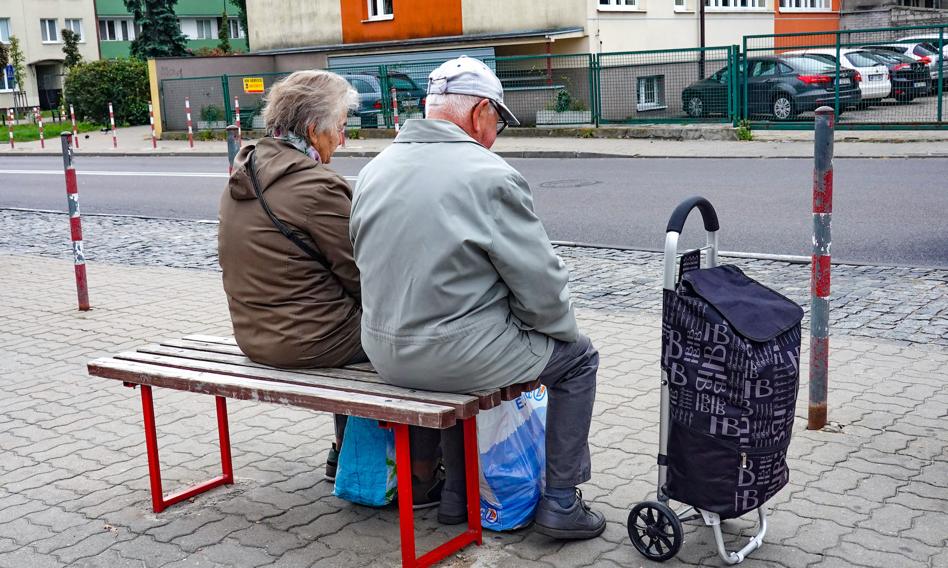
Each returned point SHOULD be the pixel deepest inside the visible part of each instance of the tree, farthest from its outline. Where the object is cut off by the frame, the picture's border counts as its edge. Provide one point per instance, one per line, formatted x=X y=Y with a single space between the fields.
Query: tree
x=4 y=55
x=242 y=16
x=123 y=82
x=17 y=59
x=160 y=31
x=223 y=32
x=71 y=49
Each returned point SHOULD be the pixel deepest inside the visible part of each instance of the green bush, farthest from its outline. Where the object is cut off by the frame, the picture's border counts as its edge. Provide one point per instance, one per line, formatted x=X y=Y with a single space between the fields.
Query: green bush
x=212 y=113
x=123 y=82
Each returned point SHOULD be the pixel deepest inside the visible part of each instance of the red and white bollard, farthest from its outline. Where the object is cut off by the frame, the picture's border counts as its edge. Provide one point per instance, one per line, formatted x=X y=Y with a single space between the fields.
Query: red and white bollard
x=10 y=121
x=38 y=115
x=112 y=123
x=820 y=277
x=75 y=131
x=151 y=121
x=395 y=108
x=75 y=225
x=187 y=111
x=237 y=119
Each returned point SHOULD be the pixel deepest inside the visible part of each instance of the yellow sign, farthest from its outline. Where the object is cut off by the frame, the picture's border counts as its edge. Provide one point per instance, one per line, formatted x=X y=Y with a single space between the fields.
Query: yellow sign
x=253 y=84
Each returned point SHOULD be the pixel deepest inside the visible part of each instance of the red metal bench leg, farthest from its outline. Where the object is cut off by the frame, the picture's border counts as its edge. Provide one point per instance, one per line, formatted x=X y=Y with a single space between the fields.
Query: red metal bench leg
x=406 y=516
x=158 y=500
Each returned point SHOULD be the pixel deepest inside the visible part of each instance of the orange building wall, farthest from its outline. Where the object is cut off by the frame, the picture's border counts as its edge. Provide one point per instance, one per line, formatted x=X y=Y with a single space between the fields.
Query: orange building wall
x=801 y=22
x=413 y=19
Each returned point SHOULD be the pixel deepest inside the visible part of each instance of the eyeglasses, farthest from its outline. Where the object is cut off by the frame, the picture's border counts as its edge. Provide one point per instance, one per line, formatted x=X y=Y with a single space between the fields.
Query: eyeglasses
x=501 y=121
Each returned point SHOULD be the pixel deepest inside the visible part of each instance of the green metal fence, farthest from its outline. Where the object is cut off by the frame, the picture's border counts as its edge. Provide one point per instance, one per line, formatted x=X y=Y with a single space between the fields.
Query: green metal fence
x=873 y=78
x=674 y=85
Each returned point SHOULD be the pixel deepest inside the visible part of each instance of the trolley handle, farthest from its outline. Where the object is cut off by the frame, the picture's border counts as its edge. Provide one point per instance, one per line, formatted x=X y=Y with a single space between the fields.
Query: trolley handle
x=680 y=215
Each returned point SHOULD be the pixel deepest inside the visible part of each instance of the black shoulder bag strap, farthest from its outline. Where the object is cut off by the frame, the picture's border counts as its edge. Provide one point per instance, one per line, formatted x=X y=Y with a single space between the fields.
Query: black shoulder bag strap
x=287 y=232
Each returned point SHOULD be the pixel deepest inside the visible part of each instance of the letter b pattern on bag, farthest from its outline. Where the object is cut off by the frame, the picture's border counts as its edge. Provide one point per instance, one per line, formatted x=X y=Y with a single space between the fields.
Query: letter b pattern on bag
x=732 y=407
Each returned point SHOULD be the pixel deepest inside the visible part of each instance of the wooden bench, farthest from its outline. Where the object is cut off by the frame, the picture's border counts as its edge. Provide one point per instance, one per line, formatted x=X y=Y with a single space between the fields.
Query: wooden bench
x=216 y=366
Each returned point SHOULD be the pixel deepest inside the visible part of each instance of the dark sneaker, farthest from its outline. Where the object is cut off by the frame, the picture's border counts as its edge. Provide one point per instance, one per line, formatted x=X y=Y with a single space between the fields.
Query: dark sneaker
x=332 y=462
x=453 y=508
x=425 y=494
x=576 y=522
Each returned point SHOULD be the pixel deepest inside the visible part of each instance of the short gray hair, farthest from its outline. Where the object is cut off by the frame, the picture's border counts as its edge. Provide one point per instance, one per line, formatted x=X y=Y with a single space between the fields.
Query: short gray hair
x=450 y=103
x=308 y=99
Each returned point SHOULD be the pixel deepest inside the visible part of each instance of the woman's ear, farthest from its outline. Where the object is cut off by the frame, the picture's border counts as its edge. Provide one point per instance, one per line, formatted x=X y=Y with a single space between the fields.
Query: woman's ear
x=311 y=135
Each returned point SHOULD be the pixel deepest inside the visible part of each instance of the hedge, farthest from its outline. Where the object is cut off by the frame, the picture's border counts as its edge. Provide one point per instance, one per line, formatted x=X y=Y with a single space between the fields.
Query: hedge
x=90 y=87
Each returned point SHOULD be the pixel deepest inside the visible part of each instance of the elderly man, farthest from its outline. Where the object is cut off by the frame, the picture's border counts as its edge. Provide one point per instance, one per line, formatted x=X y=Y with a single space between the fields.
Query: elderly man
x=461 y=289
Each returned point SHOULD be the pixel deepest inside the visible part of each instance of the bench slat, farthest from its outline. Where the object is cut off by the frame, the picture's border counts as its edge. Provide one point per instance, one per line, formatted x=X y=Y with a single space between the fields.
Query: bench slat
x=224 y=345
x=315 y=398
x=464 y=406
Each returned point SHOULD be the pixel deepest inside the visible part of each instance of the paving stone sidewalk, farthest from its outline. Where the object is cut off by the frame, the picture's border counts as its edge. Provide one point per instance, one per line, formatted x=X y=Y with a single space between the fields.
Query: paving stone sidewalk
x=73 y=474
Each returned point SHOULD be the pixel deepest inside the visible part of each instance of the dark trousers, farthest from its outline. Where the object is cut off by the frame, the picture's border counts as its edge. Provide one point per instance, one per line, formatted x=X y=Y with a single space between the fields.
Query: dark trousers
x=570 y=378
x=424 y=441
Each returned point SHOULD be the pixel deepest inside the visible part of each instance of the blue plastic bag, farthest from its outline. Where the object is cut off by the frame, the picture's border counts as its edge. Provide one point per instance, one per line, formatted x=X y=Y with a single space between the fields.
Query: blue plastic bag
x=511 y=440
x=366 y=471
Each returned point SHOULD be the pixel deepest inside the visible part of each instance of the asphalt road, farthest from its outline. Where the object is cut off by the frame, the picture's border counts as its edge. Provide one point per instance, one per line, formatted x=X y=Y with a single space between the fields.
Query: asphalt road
x=888 y=211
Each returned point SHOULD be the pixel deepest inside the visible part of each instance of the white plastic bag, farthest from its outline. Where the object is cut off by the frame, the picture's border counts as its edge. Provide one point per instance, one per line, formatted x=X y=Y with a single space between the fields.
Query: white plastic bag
x=511 y=440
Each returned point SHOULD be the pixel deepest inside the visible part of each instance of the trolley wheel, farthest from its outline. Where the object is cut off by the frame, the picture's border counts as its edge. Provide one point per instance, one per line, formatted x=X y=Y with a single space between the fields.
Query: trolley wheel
x=655 y=530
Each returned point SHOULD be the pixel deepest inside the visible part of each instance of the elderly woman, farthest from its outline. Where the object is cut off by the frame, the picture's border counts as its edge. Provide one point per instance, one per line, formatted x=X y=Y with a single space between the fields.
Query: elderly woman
x=291 y=283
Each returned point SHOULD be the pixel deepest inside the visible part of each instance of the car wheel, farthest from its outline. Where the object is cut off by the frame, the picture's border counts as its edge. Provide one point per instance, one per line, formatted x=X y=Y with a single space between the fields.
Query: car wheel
x=695 y=107
x=783 y=107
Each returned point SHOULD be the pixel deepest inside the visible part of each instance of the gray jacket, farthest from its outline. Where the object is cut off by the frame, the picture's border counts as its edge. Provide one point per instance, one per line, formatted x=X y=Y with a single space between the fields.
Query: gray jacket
x=461 y=289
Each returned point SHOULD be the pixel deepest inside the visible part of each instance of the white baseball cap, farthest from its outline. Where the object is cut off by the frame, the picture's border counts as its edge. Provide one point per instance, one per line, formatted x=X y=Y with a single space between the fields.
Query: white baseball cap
x=468 y=76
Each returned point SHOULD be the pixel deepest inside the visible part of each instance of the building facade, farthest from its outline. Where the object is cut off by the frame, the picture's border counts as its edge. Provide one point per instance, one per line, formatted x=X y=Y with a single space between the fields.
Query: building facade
x=200 y=22
x=38 y=25
x=861 y=14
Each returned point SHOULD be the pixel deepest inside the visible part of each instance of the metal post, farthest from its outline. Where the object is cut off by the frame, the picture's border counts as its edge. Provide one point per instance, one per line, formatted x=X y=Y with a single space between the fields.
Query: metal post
x=187 y=111
x=233 y=145
x=38 y=115
x=237 y=119
x=75 y=225
x=941 y=72
x=394 y=108
x=820 y=272
x=10 y=123
x=112 y=123
x=75 y=131
x=837 y=78
x=151 y=121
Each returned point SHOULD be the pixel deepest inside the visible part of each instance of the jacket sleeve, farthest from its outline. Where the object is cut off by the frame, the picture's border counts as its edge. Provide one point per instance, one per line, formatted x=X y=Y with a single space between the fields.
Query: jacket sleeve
x=327 y=222
x=521 y=252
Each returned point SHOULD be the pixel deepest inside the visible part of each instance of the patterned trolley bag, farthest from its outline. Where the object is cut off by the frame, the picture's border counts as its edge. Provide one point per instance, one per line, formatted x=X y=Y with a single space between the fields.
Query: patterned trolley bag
x=731 y=352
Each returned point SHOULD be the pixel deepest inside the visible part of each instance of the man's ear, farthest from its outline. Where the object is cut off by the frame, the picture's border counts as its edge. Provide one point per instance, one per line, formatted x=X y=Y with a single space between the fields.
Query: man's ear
x=479 y=110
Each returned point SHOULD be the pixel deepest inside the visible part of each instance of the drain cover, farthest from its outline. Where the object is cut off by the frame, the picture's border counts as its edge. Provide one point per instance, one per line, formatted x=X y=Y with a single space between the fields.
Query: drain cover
x=568 y=183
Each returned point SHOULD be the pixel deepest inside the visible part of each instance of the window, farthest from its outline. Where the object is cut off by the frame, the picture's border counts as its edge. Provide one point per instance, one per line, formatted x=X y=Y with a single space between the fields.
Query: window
x=76 y=26
x=764 y=68
x=859 y=59
x=362 y=86
x=5 y=30
x=651 y=93
x=6 y=83
x=681 y=5
x=381 y=10
x=618 y=4
x=116 y=30
x=805 y=5
x=50 y=31
x=204 y=29
x=233 y=26
x=736 y=4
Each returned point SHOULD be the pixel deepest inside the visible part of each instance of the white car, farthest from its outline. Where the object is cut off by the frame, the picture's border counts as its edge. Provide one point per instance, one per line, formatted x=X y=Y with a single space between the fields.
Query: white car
x=920 y=50
x=931 y=38
x=874 y=82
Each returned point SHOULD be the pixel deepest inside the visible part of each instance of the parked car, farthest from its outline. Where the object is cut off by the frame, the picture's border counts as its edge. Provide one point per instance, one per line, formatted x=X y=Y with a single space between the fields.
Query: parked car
x=909 y=77
x=778 y=86
x=930 y=38
x=920 y=51
x=874 y=83
x=411 y=97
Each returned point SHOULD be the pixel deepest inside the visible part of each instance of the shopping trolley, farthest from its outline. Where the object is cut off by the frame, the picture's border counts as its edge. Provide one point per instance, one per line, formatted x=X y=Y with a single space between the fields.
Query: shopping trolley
x=729 y=382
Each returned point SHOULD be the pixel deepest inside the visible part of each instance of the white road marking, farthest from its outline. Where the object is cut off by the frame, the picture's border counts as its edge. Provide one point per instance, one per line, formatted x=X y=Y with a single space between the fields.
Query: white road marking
x=130 y=174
